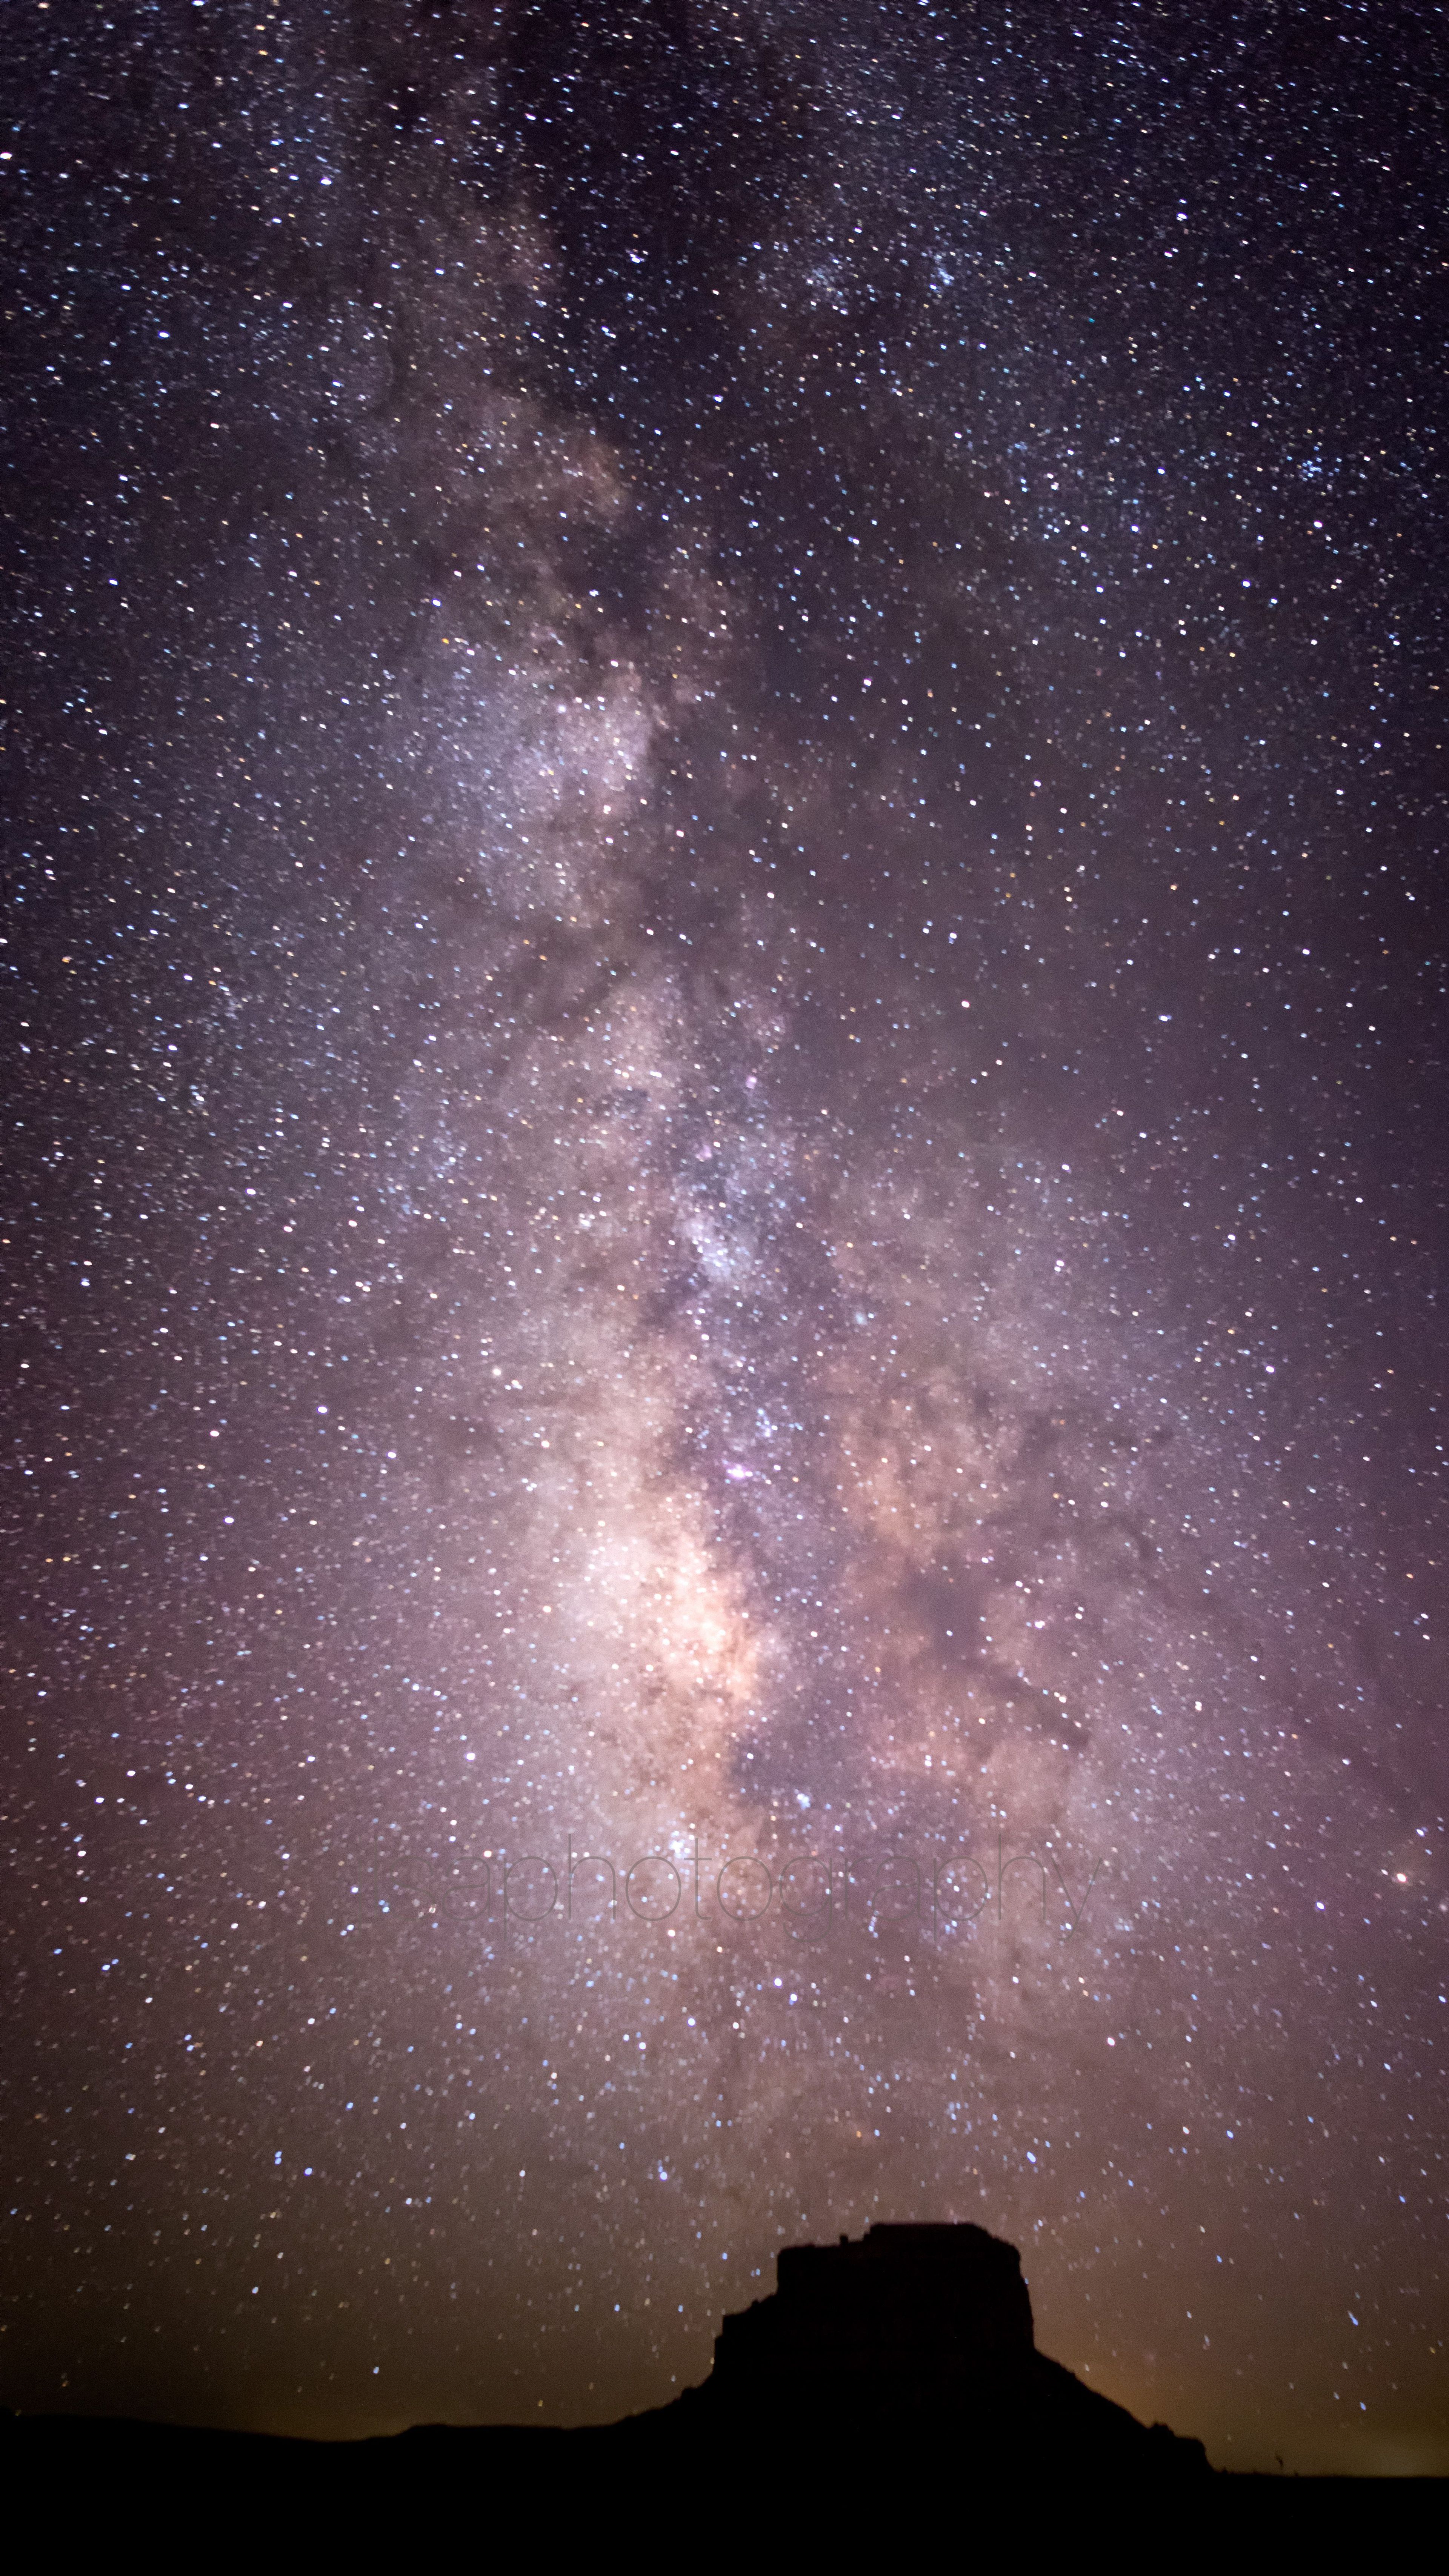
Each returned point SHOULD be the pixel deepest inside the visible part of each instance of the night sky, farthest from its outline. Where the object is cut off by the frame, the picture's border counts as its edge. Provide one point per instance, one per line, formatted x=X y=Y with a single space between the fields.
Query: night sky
x=724 y=1005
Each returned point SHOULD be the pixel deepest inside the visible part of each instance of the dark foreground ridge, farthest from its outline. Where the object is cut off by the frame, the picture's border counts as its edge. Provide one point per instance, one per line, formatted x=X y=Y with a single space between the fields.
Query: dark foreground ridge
x=888 y=2382
x=922 y=2327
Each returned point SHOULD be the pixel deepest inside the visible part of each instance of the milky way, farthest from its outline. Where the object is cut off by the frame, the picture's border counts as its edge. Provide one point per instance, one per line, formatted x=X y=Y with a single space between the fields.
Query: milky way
x=724 y=1200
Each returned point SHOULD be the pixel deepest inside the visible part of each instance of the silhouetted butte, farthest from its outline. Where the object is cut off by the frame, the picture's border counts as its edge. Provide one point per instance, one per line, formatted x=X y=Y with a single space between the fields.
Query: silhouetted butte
x=926 y=2329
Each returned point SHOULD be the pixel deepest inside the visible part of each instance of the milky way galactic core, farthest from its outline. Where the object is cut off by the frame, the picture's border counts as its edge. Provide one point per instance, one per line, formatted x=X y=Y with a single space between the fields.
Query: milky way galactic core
x=726 y=1007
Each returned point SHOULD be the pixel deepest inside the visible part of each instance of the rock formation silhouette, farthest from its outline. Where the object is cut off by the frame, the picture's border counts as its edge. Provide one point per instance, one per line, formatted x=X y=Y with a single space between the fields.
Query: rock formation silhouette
x=889 y=2389
x=918 y=2330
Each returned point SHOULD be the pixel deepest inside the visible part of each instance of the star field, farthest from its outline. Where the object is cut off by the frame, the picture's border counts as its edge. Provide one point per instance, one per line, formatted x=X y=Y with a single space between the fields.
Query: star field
x=724 y=1223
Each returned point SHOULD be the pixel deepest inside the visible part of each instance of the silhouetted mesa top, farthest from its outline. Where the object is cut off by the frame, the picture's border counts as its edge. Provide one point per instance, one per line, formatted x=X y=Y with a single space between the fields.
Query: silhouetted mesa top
x=927 y=2320
x=904 y=2304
